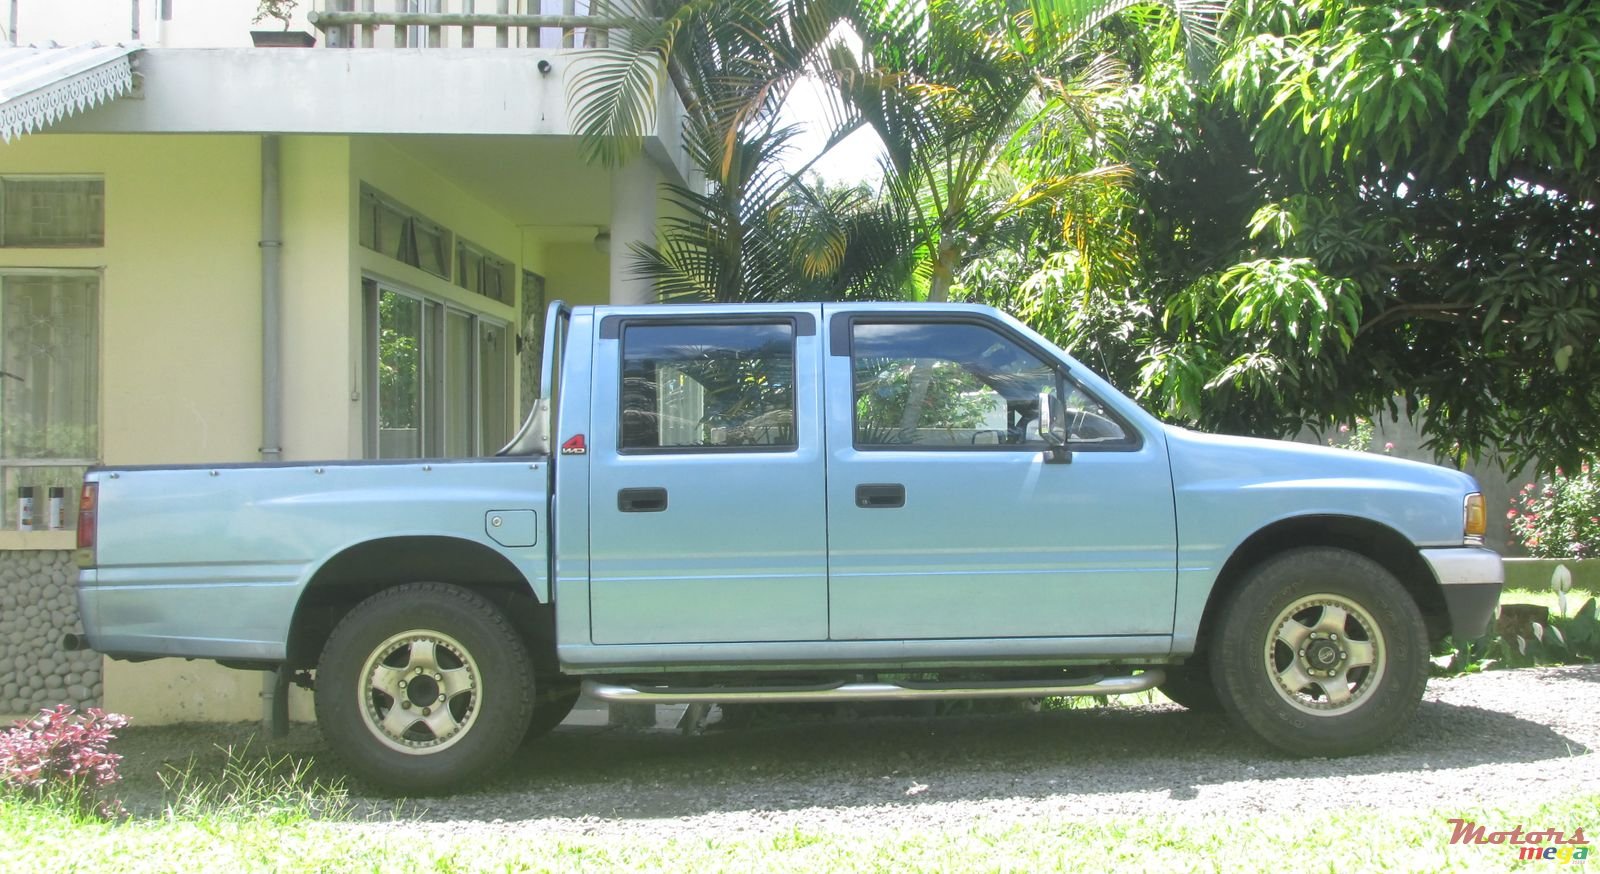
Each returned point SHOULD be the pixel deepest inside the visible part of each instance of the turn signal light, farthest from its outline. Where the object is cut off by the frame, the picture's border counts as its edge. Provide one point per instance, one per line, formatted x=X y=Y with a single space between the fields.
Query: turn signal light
x=1476 y=522
x=87 y=504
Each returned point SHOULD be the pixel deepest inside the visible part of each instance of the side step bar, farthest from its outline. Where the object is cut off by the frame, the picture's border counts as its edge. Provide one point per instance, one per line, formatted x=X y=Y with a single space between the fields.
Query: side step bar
x=905 y=690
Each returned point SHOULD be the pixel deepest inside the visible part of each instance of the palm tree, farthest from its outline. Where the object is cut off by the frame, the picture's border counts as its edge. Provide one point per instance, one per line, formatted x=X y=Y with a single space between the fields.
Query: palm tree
x=754 y=231
x=985 y=111
x=969 y=99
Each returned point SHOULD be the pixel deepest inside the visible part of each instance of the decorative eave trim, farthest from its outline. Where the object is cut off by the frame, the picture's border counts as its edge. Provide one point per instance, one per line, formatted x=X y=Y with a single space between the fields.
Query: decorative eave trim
x=69 y=94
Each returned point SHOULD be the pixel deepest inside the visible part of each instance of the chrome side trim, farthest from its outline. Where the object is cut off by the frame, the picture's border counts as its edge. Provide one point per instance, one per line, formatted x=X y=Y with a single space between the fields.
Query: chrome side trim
x=903 y=691
x=1465 y=565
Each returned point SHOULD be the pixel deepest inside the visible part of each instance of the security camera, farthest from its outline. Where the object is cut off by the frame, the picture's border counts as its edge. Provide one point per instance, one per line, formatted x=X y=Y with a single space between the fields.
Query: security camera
x=544 y=67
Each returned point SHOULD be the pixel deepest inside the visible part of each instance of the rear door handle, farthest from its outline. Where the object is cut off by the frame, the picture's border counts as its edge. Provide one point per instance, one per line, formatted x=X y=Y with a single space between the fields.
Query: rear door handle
x=880 y=496
x=650 y=500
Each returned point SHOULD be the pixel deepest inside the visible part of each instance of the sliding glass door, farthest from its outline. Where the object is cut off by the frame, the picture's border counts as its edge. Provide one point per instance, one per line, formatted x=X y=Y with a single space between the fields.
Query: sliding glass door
x=438 y=377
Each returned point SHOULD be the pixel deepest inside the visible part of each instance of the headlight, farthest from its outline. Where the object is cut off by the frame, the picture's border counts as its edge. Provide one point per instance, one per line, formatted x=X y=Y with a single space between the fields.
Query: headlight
x=1475 y=521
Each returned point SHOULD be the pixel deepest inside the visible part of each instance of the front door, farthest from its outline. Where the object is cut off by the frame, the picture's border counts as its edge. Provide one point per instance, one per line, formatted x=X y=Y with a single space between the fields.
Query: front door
x=946 y=519
x=707 y=506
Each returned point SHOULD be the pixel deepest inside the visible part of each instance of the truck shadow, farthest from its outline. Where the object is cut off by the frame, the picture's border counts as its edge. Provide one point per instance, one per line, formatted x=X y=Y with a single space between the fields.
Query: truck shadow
x=615 y=774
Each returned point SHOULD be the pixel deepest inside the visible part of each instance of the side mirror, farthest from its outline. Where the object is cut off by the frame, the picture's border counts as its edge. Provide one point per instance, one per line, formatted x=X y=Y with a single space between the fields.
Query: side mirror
x=1053 y=429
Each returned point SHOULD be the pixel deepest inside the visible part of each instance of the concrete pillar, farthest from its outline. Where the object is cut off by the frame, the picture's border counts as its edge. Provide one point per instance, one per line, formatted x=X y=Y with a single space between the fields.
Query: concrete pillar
x=633 y=219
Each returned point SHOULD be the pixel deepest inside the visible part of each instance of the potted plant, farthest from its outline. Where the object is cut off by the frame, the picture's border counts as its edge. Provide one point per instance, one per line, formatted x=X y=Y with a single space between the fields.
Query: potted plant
x=279 y=10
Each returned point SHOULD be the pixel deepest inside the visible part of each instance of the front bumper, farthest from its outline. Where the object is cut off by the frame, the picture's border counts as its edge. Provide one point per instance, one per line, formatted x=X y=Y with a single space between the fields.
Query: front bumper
x=1471 y=578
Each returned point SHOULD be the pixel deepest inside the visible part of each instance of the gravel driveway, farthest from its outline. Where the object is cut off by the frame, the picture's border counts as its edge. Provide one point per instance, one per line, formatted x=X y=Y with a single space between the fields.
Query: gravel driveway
x=1479 y=738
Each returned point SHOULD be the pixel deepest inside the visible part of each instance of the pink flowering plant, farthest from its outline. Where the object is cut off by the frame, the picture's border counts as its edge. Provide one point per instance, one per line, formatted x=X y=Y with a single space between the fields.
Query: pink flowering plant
x=64 y=756
x=1559 y=516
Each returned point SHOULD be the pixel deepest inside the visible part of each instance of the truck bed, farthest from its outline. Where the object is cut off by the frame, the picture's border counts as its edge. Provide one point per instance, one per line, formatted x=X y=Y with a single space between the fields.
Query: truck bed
x=209 y=561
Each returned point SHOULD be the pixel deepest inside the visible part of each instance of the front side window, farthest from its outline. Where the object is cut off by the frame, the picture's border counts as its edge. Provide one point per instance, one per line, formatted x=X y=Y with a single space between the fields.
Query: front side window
x=959 y=385
x=49 y=387
x=708 y=386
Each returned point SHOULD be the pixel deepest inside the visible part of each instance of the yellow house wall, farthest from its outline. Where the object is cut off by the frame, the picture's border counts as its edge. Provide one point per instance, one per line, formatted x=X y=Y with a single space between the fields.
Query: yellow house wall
x=576 y=273
x=181 y=321
x=420 y=188
x=321 y=341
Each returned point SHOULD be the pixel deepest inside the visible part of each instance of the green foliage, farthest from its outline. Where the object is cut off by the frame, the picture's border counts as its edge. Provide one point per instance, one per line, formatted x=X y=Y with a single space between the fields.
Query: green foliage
x=277 y=10
x=399 y=361
x=1419 y=181
x=1558 y=516
x=1292 y=215
x=1566 y=640
x=951 y=397
x=1356 y=439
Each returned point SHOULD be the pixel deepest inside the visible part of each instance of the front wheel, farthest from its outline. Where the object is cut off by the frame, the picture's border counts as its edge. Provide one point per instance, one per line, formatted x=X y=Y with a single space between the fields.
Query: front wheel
x=424 y=687
x=1321 y=652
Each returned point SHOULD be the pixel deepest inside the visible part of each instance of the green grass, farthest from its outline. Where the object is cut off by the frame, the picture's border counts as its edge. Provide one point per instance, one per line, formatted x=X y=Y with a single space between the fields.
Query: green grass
x=35 y=837
x=1546 y=598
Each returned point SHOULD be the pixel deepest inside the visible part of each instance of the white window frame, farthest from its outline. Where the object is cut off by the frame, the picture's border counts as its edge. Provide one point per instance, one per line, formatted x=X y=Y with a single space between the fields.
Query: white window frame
x=6 y=463
x=412 y=219
x=432 y=360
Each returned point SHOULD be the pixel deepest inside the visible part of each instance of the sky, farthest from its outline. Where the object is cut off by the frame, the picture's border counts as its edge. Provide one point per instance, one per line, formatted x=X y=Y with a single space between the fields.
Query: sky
x=856 y=159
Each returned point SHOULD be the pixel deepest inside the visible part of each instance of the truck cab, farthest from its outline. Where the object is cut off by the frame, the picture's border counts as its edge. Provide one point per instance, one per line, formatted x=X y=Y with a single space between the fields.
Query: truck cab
x=803 y=502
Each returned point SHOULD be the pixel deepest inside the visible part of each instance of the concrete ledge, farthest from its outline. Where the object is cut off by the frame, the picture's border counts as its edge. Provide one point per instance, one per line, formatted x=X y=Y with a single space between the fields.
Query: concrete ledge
x=1534 y=573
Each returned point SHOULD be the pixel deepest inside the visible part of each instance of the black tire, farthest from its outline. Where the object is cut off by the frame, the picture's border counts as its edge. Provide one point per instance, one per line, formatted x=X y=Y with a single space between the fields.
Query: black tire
x=1343 y=706
x=556 y=698
x=1189 y=685
x=429 y=643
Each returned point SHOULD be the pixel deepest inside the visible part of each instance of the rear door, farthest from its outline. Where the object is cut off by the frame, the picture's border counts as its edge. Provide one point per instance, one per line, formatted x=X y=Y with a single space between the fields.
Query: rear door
x=707 y=505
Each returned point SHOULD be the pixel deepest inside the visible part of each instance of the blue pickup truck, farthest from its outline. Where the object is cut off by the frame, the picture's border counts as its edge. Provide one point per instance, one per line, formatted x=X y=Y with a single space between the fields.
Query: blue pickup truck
x=806 y=502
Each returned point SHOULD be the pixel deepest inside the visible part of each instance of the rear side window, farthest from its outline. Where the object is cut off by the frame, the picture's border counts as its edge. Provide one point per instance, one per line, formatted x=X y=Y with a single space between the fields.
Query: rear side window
x=689 y=387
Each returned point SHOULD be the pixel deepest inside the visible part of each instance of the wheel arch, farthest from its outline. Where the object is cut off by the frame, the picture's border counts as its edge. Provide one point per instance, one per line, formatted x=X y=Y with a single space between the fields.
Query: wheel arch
x=364 y=569
x=1374 y=540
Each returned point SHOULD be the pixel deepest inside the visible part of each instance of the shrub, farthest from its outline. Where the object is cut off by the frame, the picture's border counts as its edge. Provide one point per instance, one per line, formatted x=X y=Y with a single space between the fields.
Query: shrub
x=1559 y=516
x=62 y=755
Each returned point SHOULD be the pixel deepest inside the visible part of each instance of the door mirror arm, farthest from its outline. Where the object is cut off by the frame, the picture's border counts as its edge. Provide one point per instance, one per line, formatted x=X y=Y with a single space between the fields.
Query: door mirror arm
x=1053 y=430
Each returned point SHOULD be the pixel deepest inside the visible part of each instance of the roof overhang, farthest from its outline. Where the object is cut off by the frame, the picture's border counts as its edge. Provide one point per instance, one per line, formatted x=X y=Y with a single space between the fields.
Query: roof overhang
x=41 y=86
x=430 y=92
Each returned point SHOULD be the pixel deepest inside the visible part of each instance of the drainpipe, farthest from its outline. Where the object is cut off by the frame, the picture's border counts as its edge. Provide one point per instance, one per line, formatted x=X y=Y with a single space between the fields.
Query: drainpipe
x=11 y=33
x=135 y=20
x=271 y=293
x=274 y=684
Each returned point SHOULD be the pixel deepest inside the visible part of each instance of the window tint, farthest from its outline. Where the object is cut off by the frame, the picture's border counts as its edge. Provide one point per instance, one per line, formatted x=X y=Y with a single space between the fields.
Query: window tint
x=707 y=386
x=957 y=385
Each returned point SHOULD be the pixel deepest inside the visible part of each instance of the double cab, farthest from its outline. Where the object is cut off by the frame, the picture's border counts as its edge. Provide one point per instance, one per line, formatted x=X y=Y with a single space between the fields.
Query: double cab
x=799 y=502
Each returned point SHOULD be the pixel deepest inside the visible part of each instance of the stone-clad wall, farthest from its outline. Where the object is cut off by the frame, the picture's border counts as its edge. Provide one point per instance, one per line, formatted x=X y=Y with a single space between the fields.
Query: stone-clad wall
x=37 y=606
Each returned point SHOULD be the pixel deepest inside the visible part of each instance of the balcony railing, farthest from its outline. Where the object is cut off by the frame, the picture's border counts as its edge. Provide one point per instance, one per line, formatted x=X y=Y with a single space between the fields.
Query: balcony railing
x=461 y=24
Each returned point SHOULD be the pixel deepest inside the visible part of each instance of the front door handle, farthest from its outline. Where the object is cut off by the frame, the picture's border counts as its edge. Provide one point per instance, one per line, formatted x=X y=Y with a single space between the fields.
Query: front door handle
x=880 y=496
x=652 y=500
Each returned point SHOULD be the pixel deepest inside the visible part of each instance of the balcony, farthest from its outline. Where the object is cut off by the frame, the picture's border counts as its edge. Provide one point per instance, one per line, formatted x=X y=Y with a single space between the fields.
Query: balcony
x=466 y=24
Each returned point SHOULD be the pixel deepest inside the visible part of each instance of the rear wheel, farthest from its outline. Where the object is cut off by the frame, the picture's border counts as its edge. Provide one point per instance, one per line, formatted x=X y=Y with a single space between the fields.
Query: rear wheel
x=1321 y=652
x=424 y=687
